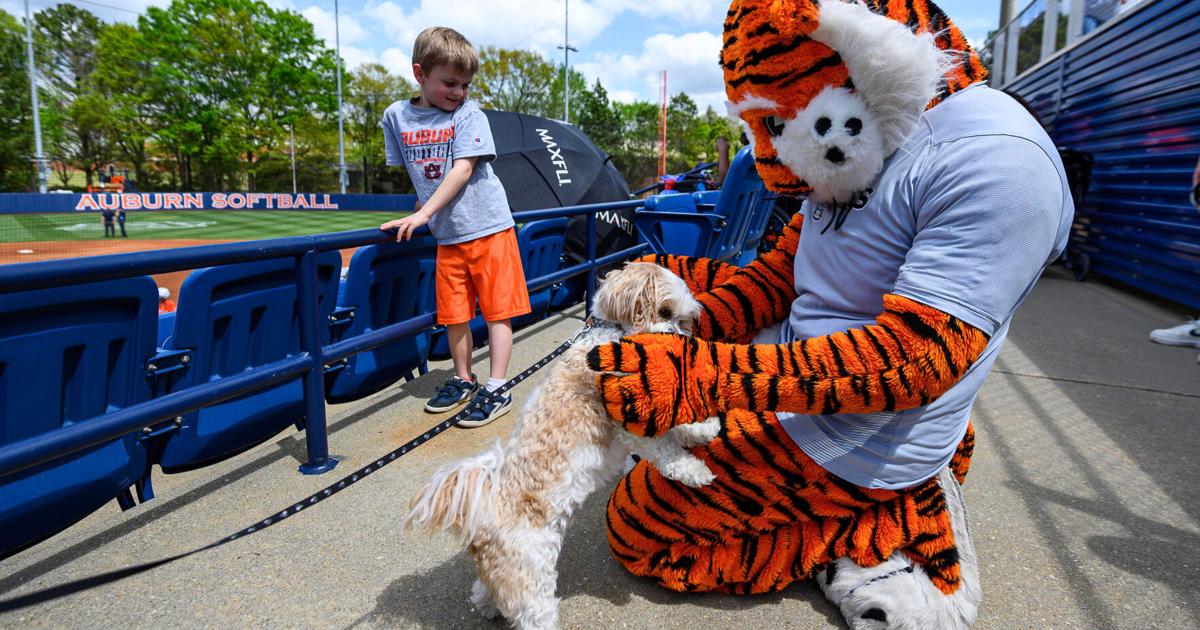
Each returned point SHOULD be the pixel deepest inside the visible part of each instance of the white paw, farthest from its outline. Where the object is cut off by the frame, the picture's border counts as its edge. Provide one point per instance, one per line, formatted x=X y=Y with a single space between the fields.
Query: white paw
x=688 y=470
x=481 y=599
x=697 y=433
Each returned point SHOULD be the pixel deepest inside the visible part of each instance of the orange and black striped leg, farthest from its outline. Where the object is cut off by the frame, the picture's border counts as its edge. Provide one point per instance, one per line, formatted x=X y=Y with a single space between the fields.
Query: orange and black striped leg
x=772 y=516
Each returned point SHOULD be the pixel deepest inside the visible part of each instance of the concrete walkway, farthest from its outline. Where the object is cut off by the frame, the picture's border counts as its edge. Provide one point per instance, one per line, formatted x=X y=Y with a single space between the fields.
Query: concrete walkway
x=1083 y=501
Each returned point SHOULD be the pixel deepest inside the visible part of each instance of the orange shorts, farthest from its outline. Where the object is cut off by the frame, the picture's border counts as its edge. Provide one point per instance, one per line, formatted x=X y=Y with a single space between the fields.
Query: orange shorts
x=486 y=269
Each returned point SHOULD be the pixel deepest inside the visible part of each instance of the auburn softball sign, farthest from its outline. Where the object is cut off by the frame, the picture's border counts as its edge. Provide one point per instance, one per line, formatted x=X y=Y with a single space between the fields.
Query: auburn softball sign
x=196 y=201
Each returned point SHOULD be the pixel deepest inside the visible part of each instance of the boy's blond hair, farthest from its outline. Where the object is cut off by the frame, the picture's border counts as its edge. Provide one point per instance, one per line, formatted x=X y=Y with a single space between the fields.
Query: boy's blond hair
x=442 y=45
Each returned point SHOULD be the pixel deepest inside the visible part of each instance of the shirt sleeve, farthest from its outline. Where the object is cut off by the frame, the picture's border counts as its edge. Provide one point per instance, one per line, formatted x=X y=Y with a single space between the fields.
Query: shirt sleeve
x=391 y=144
x=473 y=136
x=988 y=213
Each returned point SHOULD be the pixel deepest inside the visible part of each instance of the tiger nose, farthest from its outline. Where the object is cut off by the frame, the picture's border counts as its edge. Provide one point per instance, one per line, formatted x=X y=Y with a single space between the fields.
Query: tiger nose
x=835 y=155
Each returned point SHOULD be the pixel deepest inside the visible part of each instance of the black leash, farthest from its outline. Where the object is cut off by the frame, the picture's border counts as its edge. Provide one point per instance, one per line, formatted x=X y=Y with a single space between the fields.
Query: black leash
x=83 y=584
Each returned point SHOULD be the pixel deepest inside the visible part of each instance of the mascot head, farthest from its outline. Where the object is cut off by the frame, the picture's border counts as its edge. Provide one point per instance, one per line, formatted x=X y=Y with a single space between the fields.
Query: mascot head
x=827 y=90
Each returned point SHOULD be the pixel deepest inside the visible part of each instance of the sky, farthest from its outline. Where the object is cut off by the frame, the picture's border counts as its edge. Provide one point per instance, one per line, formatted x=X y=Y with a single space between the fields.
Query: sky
x=623 y=43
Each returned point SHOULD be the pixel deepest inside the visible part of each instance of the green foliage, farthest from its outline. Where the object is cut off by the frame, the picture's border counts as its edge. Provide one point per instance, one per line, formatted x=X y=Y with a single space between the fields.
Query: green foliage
x=16 y=123
x=201 y=95
x=369 y=92
x=515 y=81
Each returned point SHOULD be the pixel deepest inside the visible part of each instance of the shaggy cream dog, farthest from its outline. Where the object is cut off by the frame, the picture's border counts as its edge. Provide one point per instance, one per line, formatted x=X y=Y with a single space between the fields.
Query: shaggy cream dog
x=512 y=503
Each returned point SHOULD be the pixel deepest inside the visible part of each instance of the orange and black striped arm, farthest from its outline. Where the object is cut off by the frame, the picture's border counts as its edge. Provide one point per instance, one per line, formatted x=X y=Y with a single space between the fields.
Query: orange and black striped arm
x=739 y=301
x=909 y=357
x=754 y=296
x=699 y=274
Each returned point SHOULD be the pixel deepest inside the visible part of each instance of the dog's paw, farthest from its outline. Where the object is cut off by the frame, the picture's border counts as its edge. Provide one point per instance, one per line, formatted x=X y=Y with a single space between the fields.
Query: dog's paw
x=696 y=433
x=481 y=599
x=688 y=470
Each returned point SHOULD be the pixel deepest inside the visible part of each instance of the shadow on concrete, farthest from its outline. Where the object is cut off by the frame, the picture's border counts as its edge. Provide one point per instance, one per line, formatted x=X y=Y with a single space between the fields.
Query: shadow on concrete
x=439 y=598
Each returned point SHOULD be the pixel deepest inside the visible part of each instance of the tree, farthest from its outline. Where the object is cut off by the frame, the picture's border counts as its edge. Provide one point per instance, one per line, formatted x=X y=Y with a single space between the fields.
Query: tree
x=514 y=81
x=596 y=117
x=69 y=37
x=369 y=91
x=121 y=72
x=16 y=123
x=229 y=76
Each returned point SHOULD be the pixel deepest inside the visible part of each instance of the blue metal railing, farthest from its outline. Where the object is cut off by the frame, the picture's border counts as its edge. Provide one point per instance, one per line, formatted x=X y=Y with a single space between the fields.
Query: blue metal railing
x=309 y=363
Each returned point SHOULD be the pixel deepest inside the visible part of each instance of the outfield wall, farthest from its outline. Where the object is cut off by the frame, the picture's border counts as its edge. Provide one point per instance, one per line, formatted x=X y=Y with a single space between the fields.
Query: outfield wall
x=35 y=203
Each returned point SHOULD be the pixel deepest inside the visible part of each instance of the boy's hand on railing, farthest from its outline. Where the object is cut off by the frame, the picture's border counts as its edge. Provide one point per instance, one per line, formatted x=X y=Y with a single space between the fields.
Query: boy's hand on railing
x=406 y=226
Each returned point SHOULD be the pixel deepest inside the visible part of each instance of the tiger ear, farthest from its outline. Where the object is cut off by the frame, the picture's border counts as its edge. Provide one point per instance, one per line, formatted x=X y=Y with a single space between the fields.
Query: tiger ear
x=795 y=17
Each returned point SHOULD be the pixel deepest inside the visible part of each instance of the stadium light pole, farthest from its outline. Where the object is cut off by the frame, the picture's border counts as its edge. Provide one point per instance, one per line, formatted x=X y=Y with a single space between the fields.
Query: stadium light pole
x=567 y=48
x=337 y=37
x=292 y=134
x=37 y=121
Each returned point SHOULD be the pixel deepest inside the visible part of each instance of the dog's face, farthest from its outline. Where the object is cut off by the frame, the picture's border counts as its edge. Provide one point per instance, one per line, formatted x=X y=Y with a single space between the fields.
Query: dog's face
x=643 y=297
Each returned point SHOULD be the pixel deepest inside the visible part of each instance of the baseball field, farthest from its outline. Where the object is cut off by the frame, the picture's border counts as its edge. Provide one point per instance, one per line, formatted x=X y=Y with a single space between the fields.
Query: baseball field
x=34 y=237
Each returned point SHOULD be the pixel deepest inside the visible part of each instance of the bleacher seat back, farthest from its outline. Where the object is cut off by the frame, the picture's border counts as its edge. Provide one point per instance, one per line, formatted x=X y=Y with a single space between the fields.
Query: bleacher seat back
x=386 y=284
x=737 y=201
x=541 y=246
x=687 y=239
x=69 y=354
x=233 y=318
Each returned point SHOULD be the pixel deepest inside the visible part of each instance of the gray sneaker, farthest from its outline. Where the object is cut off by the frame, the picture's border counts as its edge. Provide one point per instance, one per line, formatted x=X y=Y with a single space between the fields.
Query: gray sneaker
x=454 y=393
x=487 y=407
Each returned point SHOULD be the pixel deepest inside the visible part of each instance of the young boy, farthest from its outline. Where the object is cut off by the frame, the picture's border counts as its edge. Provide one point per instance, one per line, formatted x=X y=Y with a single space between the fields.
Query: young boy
x=445 y=142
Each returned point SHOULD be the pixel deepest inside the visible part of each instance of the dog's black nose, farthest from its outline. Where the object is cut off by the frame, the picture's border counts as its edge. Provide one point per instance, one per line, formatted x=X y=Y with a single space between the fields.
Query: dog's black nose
x=835 y=155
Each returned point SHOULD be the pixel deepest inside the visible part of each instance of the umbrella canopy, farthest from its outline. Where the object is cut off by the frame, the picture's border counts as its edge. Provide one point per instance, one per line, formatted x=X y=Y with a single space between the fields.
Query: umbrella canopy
x=548 y=164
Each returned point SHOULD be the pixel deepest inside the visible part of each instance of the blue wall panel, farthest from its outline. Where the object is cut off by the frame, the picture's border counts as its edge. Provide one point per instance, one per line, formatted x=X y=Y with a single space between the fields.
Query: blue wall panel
x=1130 y=95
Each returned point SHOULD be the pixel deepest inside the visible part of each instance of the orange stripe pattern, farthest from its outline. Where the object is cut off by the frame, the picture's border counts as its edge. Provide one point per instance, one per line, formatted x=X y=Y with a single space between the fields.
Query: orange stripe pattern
x=773 y=516
x=912 y=355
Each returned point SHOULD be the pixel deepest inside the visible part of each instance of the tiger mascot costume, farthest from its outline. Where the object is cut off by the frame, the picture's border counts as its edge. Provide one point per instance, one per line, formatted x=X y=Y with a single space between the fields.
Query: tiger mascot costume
x=843 y=363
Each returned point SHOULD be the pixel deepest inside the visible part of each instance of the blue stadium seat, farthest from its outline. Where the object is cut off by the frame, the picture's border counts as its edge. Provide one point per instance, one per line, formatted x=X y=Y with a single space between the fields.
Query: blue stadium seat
x=756 y=227
x=386 y=284
x=233 y=318
x=67 y=355
x=541 y=245
x=711 y=224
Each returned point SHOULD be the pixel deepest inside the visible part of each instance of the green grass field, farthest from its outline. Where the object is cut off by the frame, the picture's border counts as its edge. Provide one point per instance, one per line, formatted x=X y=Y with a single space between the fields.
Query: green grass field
x=218 y=225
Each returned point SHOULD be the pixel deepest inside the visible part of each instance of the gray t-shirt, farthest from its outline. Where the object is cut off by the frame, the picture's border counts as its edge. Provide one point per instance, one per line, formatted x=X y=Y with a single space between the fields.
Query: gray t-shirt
x=426 y=140
x=964 y=218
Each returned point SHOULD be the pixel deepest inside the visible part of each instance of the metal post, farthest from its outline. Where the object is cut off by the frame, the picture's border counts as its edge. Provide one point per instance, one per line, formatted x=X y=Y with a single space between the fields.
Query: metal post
x=591 y=254
x=315 y=437
x=37 y=121
x=1075 y=21
x=337 y=37
x=567 y=48
x=1012 y=35
x=1049 y=29
x=292 y=134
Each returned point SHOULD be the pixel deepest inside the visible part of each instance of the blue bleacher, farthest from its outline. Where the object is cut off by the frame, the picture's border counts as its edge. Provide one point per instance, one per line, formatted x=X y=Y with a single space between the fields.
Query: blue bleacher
x=67 y=356
x=232 y=318
x=385 y=284
x=721 y=224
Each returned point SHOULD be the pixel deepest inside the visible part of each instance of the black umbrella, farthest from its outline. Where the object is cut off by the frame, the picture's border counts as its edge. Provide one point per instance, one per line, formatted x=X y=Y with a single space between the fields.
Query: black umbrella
x=549 y=164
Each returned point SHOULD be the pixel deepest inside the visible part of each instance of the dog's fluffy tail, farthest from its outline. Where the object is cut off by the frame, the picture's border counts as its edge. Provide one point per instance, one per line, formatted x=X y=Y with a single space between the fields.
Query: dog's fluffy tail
x=458 y=497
